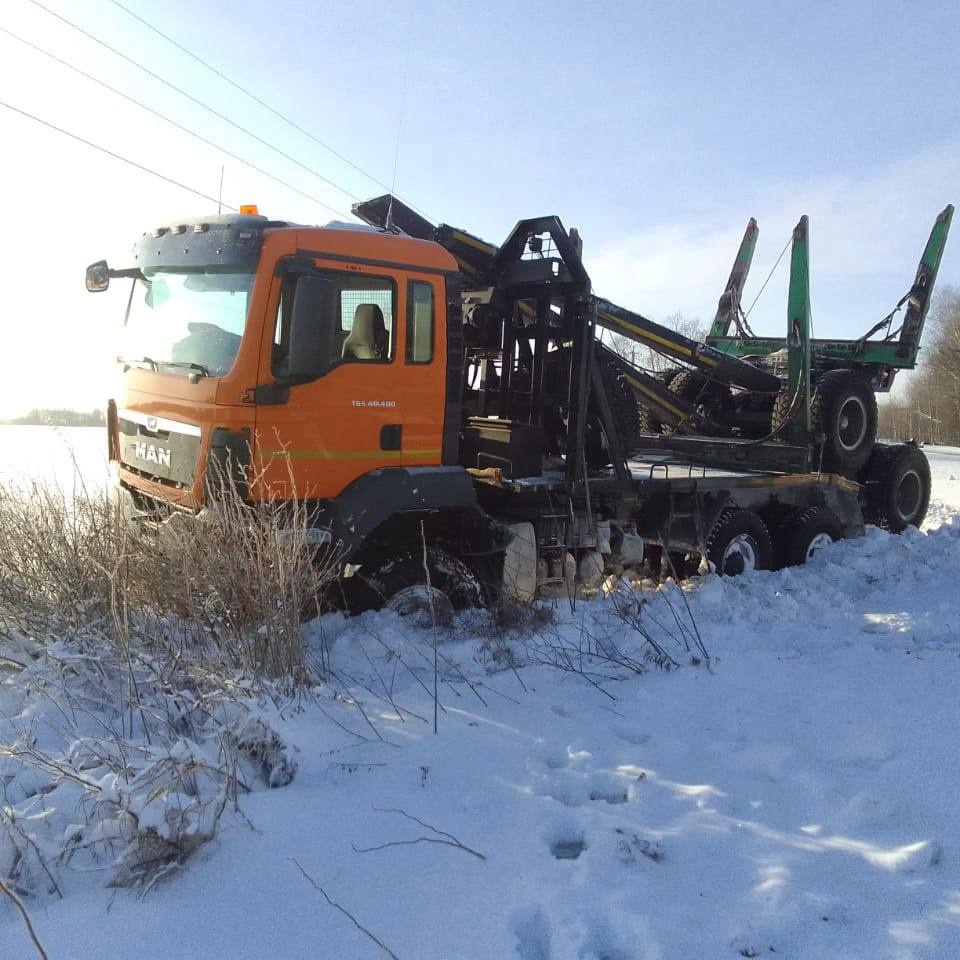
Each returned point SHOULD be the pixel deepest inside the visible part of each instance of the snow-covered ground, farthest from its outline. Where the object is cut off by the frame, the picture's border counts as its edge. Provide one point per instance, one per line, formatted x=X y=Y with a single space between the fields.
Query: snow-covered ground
x=71 y=457
x=798 y=799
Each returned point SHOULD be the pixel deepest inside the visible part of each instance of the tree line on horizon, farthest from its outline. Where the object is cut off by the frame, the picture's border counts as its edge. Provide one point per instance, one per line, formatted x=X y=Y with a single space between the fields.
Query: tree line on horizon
x=926 y=407
x=59 y=417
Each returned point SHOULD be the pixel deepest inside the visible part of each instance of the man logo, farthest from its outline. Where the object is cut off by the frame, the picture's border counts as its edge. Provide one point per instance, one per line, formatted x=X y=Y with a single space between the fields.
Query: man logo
x=151 y=453
x=152 y=424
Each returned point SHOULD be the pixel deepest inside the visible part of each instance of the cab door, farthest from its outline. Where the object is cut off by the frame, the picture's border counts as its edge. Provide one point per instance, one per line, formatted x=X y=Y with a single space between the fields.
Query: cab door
x=424 y=370
x=315 y=438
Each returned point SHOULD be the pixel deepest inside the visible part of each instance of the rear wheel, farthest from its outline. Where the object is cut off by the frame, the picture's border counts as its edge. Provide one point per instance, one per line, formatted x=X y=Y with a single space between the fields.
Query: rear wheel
x=896 y=487
x=844 y=410
x=424 y=596
x=803 y=533
x=738 y=543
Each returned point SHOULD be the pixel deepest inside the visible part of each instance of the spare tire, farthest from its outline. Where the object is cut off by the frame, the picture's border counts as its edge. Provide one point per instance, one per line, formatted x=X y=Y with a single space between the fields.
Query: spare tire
x=649 y=422
x=844 y=411
x=896 y=487
x=626 y=418
x=702 y=393
x=739 y=542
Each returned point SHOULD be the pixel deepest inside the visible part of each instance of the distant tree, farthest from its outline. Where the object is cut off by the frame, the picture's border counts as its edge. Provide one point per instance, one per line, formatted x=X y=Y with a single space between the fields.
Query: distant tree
x=61 y=417
x=647 y=359
x=927 y=407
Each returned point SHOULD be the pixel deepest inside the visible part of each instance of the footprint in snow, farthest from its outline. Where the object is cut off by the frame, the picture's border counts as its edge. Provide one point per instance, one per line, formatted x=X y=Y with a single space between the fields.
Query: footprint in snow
x=532 y=930
x=603 y=943
x=631 y=736
x=567 y=842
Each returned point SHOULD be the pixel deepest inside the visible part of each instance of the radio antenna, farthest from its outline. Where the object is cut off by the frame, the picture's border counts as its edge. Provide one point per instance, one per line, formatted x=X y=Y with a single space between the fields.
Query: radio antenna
x=389 y=225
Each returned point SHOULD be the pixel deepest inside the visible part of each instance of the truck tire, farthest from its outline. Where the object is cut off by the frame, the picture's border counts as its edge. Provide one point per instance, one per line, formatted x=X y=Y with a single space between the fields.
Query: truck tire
x=782 y=408
x=803 y=533
x=626 y=418
x=844 y=410
x=739 y=542
x=623 y=405
x=689 y=385
x=699 y=391
x=649 y=423
x=399 y=583
x=896 y=487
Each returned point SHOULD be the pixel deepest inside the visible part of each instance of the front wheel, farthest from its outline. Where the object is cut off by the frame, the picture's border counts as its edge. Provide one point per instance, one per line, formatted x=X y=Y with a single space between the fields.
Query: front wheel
x=738 y=543
x=424 y=594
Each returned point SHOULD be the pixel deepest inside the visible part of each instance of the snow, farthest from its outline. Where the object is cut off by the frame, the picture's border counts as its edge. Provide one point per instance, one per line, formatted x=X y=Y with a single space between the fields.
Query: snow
x=795 y=798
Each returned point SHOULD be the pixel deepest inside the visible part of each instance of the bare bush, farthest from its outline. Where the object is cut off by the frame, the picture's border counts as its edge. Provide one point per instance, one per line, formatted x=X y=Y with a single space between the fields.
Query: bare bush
x=138 y=662
x=231 y=584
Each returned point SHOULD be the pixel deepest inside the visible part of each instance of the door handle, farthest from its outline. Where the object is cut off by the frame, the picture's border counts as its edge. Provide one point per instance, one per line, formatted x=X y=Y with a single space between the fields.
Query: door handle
x=390 y=436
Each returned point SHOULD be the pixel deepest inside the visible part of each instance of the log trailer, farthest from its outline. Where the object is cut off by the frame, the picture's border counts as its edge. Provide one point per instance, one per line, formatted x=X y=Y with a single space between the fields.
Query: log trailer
x=426 y=393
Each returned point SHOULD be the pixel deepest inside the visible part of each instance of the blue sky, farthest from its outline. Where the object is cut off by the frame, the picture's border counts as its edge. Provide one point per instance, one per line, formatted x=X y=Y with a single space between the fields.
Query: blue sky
x=655 y=128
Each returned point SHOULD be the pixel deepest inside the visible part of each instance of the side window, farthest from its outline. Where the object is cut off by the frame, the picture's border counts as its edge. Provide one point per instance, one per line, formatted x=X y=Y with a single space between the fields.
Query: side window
x=363 y=320
x=366 y=319
x=419 y=322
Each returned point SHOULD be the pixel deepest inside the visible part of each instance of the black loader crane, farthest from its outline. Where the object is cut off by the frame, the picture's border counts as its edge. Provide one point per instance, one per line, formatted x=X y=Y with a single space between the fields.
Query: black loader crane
x=795 y=405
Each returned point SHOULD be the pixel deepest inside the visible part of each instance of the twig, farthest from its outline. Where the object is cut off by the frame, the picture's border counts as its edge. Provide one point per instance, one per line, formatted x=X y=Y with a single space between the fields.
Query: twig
x=410 y=843
x=450 y=841
x=433 y=618
x=18 y=903
x=345 y=912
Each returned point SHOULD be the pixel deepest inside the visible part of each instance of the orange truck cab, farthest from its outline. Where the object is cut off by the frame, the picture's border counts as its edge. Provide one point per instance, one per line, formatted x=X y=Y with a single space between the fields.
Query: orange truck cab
x=310 y=363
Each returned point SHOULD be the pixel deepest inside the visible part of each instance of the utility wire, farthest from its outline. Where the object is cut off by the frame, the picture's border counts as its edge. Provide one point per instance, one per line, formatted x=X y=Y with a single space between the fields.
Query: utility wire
x=162 y=116
x=191 y=98
x=258 y=100
x=110 y=153
x=769 y=275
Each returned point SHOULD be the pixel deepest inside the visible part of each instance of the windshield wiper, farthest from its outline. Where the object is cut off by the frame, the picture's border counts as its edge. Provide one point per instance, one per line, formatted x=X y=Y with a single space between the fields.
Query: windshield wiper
x=143 y=361
x=188 y=365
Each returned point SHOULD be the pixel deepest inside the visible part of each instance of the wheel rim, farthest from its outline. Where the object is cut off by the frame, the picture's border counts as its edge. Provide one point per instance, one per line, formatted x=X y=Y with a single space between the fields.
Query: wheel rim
x=414 y=605
x=740 y=555
x=909 y=495
x=820 y=540
x=852 y=423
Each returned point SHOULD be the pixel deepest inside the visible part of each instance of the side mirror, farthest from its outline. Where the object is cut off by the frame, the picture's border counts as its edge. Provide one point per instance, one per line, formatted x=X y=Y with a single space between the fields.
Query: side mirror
x=311 y=329
x=98 y=277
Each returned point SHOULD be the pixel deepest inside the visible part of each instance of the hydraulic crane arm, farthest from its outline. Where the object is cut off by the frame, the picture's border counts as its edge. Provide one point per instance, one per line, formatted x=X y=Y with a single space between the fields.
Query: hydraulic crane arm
x=714 y=364
x=478 y=262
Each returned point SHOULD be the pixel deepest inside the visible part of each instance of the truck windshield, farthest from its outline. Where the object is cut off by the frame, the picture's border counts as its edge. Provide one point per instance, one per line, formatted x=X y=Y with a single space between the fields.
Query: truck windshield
x=190 y=320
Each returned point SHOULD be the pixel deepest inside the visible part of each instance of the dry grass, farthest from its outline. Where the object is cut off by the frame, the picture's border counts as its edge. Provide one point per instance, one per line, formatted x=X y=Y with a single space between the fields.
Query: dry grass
x=144 y=662
x=230 y=588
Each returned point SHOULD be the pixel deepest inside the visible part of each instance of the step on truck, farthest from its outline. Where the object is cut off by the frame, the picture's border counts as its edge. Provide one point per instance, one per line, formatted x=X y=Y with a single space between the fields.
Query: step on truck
x=448 y=414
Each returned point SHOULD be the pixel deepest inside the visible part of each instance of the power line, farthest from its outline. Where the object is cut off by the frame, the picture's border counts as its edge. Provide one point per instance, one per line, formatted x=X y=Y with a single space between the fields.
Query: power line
x=190 y=97
x=116 y=156
x=258 y=100
x=162 y=116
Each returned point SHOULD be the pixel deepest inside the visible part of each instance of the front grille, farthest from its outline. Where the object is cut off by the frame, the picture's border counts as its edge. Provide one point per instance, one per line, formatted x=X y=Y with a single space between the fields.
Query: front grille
x=163 y=454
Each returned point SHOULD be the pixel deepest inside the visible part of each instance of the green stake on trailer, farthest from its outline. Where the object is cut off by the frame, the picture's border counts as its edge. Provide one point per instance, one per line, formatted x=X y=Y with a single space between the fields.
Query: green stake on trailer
x=798 y=335
x=890 y=353
x=729 y=306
